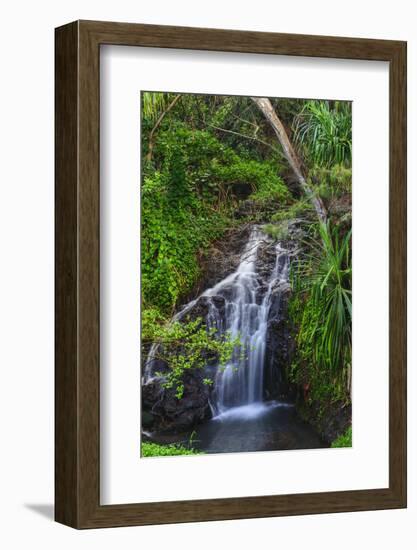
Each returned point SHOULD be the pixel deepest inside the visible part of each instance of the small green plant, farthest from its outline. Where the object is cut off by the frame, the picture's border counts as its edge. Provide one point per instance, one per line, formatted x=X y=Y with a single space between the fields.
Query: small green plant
x=296 y=210
x=183 y=347
x=192 y=439
x=344 y=440
x=278 y=232
x=153 y=449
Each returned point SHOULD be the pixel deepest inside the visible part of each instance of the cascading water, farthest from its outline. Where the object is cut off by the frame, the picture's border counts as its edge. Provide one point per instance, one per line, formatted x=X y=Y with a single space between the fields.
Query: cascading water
x=248 y=304
x=240 y=305
x=247 y=300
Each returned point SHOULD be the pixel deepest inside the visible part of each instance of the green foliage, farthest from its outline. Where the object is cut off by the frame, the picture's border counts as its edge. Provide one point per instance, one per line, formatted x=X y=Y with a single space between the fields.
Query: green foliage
x=322 y=310
x=153 y=449
x=331 y=182
x=151 y=318
x=188 y=193
x=324 y=131
x=338 y=177
x=213 y=169
x=208 y=153
x=189 y=346
x=270 y=187
x=297 y=209
x=176 y=225
x=345 y=440
x=153 y=103
x=278 y=232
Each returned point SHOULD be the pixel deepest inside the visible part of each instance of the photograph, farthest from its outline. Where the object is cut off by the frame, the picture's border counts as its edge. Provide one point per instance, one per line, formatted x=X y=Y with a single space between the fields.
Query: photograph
x=209 y=275
x=246 y=274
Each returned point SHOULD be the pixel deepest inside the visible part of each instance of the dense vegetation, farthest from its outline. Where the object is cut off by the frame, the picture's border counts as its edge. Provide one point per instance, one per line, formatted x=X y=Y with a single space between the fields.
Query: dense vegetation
x=203 y=156
x=153 y=449
x=189 y=191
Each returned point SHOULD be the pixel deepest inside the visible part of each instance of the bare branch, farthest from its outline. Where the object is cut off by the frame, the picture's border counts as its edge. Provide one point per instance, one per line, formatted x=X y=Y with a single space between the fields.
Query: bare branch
x=246 y=137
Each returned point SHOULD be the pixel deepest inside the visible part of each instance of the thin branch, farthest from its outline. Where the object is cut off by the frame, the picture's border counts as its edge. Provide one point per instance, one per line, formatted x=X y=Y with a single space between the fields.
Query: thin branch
x=157 y=124
x=254 y=124
x=247 y=137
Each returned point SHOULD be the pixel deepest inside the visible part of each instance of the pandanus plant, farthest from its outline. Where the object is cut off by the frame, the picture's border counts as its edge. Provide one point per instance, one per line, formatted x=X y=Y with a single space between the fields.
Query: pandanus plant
x=325 y=132
x=324 y=277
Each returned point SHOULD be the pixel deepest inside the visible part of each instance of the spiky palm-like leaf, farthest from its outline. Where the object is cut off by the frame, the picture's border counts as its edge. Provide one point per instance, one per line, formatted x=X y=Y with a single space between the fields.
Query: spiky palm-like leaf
x=324 y=278
x=325 y=133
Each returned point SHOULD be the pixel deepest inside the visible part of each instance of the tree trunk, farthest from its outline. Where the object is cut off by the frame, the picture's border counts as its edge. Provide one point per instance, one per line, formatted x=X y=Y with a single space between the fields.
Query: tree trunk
x=268 y=111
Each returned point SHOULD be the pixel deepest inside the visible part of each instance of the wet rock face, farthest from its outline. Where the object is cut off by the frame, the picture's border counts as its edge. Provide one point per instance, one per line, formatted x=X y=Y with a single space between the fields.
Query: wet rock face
x=330 y=420
x=165 y=413
x=279 y=348
x=251 y=209
x=221 y=260
x=279 y=342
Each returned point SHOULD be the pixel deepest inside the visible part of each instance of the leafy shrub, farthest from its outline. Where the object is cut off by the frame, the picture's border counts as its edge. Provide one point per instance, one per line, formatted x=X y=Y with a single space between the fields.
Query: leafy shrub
x=345 y=440
x=187 y=346
x=211 y=165
x=270 y=187
x=153 y=449
x=175 y=226
x=151 y=318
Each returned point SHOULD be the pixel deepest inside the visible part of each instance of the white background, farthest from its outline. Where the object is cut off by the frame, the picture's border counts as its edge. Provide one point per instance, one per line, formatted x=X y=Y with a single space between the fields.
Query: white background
x=26 y=301
x=126 y=478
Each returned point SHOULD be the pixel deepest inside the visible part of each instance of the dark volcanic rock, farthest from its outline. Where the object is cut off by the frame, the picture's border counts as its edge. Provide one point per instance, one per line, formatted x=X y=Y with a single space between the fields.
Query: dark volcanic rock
x=329 y=419
x=279 y=346
x=201 y=308
x=164 y=412
x=220 y=260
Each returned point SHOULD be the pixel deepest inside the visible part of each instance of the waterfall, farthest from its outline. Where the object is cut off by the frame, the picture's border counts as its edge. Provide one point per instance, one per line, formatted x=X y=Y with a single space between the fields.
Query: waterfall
x=240 y=305
x=246 y=310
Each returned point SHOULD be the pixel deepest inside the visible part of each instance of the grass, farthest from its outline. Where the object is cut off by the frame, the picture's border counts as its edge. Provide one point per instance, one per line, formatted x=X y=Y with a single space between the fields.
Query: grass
x=153 y=449
x=344 y=440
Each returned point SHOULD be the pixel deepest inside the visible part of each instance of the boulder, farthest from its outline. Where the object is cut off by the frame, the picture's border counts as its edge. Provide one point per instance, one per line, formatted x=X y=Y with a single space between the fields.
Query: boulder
x=164 y=412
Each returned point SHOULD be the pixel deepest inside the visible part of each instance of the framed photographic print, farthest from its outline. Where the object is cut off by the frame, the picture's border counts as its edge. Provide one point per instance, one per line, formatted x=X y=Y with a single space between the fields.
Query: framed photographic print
x=230 y=274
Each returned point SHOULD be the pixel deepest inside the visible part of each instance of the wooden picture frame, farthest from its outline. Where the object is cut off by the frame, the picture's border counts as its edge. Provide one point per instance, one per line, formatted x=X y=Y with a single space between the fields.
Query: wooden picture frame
x=77 y=405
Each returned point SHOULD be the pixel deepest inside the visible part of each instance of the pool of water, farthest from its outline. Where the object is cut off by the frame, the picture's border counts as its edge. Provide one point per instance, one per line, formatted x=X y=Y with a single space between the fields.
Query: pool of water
x=268 y=426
